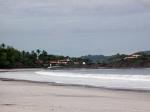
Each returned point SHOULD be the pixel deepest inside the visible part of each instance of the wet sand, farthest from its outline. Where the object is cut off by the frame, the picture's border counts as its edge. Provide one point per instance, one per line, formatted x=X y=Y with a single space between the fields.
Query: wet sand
x=22 y=96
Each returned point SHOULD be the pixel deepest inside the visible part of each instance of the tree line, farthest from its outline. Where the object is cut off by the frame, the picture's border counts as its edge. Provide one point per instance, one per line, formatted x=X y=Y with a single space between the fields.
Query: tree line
x=13 y=58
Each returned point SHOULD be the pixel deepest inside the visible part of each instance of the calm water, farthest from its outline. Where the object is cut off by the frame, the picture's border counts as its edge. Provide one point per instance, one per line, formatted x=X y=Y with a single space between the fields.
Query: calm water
x=108 y=78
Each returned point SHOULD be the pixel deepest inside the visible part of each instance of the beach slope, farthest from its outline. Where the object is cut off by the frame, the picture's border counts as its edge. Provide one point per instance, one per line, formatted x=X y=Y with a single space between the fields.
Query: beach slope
x=21 y=96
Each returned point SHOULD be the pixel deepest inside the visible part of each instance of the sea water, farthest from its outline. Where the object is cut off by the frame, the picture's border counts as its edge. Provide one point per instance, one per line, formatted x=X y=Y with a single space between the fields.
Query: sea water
x=134 y=79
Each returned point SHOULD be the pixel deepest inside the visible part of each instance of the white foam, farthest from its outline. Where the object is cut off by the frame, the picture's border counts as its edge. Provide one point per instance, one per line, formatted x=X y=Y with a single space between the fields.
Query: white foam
x=123 y=81
x=127 y=77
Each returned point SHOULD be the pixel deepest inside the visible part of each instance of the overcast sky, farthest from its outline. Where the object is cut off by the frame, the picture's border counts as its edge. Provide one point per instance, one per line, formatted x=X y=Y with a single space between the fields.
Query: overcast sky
x=76 y=27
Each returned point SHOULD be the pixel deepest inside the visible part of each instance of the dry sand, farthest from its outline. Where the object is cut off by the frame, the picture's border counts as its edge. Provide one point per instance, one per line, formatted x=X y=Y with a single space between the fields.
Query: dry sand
x=21 y=96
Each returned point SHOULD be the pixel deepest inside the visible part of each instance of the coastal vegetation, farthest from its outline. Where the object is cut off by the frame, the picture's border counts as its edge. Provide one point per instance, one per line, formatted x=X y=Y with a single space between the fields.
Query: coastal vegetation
x=138 y=59
x=13 y=58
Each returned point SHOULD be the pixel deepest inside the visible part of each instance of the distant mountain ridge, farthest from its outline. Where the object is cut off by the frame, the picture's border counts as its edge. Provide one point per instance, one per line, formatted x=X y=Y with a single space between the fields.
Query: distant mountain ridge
x=95 y=58
x=102 y=58
x=143 y=52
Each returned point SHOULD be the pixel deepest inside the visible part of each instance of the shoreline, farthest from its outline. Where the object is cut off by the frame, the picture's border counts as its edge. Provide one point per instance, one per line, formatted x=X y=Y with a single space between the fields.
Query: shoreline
x=70 y=67
x=76 y=85
x=59 y=83
x=19 y=69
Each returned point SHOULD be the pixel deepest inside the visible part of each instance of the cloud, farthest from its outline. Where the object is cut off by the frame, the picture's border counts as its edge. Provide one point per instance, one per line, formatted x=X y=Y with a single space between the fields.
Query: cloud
x=73 y=21
x=146 y=3
x=64 y=6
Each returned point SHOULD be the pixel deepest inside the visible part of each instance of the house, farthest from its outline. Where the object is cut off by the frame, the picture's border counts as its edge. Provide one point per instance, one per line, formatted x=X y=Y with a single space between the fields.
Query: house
x=133 y=56
x=83 y=63
x=60 y=62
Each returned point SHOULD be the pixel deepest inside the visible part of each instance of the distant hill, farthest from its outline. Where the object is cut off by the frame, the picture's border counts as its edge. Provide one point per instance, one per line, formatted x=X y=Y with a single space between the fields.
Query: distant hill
x=143 y=52
x=95 y=58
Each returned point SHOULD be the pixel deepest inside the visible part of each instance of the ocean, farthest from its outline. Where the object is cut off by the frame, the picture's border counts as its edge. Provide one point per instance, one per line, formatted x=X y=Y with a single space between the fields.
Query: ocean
x=129 y=79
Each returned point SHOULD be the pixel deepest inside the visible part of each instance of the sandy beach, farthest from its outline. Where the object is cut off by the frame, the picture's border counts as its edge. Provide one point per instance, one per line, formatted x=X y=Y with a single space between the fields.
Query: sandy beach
x=21 y=96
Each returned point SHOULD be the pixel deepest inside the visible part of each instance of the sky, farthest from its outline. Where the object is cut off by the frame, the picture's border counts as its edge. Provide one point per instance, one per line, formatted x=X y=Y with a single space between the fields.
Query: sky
x=76 y=27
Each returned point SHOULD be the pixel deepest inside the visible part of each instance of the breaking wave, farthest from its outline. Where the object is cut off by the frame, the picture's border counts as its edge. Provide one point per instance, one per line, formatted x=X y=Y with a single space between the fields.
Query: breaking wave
x=126 y=77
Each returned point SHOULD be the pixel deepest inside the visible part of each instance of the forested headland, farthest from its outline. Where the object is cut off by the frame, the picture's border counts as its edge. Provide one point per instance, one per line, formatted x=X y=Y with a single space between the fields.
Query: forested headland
x=13 y=58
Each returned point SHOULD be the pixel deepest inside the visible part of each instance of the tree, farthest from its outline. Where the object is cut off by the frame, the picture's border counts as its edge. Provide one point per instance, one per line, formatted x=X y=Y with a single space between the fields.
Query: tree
x=44 y=53
x=3 y=45
x=38 y=53
x=44 y=56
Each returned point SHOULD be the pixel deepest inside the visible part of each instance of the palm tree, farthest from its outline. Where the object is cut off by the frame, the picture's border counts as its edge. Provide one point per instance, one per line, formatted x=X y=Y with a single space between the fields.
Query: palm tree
x=3 y=45
x=38 y=53
x=44 y=53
